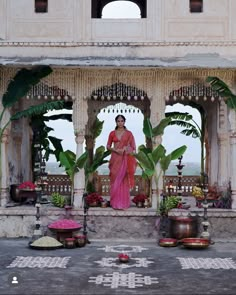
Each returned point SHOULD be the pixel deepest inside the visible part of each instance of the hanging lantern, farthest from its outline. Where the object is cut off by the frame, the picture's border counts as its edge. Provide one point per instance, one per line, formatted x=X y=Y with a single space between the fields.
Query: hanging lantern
x=212 y=98
x=205 y=98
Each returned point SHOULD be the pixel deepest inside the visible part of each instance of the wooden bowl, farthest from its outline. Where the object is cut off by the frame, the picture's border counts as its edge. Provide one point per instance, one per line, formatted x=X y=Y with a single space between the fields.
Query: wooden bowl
x=195 y=243
x=168 y=242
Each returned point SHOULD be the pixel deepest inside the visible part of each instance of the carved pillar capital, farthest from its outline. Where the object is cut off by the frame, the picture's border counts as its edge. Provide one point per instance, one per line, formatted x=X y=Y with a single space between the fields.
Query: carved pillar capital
x=79 y=137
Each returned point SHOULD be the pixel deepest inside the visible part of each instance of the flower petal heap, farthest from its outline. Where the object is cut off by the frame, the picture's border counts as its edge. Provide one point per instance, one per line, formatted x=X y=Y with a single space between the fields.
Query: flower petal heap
x=64 y=224
x=27 y=185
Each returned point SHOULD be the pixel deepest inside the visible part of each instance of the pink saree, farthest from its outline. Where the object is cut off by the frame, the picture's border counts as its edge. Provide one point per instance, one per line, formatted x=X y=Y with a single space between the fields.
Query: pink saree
x=122 y=169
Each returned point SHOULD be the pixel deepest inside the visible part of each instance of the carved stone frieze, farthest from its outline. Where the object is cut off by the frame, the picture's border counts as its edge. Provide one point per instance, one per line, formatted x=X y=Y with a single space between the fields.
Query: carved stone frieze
x=217 y=43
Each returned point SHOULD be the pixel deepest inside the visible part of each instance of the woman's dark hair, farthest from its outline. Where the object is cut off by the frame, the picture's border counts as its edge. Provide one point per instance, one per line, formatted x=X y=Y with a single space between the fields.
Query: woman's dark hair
x=117 y=117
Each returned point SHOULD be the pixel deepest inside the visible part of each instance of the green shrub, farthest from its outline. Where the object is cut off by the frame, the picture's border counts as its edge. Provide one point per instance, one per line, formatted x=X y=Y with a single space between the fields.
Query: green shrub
x=58 y=200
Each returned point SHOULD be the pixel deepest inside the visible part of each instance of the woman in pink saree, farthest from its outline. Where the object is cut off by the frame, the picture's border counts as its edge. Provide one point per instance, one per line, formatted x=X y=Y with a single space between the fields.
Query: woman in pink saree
x=122 y=164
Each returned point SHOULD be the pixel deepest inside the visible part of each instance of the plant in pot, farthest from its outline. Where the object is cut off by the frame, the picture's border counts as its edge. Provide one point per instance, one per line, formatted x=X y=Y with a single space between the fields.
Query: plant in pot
x=94 y=199
x=139 y=200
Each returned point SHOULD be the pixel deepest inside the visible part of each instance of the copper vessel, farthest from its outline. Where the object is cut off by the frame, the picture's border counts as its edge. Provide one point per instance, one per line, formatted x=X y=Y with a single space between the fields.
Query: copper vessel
x=183 y=227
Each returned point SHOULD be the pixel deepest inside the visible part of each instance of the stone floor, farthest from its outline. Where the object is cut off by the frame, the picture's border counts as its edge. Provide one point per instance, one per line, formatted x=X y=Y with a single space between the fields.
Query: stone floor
x=95 y=269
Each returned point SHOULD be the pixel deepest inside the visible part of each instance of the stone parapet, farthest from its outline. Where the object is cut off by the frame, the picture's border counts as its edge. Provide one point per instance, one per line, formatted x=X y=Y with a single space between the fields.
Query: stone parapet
x=106 y=223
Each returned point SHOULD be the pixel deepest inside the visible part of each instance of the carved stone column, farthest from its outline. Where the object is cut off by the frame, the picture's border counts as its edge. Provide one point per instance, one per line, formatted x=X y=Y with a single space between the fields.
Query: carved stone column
x=80 y=119
x=223 y=172
x=157 y=108
x=232 y=138
x=4 y=168
x=79 y=180
x=233 y=168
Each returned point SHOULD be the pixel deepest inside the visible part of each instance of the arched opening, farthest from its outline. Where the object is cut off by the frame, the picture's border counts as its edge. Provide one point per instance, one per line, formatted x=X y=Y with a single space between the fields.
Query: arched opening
x=119 y=9
x=172 y=138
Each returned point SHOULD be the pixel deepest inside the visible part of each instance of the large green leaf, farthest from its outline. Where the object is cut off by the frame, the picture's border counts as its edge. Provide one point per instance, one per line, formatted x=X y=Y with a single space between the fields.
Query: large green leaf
x=193 y=132
x=143 y=148
x=179 y=116
x=67 y=117
x=67 y=159
x=23 y=81
x=178 y=152
x=224 y=91
x=159 y=129
x=165 y=162
x=56 y=142
x=145 y=160
x=80 y=162
x=158 y=153
x=147 y=128
x=38 y=109
x=96 y=128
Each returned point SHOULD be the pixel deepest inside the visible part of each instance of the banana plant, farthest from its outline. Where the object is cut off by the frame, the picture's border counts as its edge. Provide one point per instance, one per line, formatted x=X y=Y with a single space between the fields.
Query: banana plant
x=223 y=89
x=72 y=165
x=94 y=159
x=148 y=158
x=190 y=127
x=18 y=87
x=91 y=167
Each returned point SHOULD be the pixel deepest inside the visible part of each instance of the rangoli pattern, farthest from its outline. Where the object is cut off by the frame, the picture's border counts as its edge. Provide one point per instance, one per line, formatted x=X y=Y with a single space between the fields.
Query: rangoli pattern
x=114 y=262
x=39 y=262
x=123 y=248
x=130 y=280
x=206 y=263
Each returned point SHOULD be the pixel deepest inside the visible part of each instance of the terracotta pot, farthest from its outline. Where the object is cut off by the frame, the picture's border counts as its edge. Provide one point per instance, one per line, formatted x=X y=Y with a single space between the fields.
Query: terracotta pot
x=183 y=227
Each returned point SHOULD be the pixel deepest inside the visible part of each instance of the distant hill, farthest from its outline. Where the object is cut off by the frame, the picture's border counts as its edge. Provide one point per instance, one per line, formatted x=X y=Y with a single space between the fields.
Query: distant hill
x=189 y=169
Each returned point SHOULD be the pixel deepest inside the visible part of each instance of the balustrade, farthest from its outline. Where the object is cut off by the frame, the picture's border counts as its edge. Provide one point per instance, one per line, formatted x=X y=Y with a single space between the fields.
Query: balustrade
x=62 y=184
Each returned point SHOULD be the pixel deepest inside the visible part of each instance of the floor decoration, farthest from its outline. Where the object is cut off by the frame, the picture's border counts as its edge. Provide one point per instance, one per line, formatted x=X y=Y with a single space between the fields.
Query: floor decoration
x=39 y=262
x=130 y=280
x=206 y=263
x=124 y=248
x=114 y=262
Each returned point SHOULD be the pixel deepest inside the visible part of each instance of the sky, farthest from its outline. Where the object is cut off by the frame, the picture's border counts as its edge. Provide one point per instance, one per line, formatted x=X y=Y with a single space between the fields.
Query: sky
x=172 y=138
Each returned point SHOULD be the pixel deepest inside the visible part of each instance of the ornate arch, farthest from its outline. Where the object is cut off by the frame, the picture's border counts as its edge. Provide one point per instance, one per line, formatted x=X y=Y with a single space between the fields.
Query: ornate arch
x=98 y=5
x=113 y=94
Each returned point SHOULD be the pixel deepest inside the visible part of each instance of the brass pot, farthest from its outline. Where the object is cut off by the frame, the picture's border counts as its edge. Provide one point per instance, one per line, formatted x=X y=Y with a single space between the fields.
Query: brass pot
x=183 y=227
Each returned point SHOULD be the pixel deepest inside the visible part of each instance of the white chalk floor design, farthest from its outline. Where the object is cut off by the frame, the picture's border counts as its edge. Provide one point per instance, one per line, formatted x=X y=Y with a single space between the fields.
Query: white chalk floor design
x=39 y=262
x=123 y=248
x=206 y=263
x=133 y=262
x=130 y=280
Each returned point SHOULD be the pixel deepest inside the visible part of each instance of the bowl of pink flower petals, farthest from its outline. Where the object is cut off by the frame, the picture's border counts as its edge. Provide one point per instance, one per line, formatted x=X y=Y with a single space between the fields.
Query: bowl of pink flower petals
x=64 y=225
x=123 y=257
